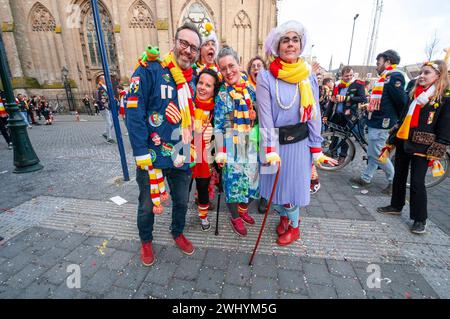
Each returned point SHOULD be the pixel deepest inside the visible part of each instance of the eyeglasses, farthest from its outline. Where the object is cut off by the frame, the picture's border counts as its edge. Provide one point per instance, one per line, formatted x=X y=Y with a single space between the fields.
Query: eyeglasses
x=255 y=67
x=229 y=68
x=184 y=45
x=286 y=40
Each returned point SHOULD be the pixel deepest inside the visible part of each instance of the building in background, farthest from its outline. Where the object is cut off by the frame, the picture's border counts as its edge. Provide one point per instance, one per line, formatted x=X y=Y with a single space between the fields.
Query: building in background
x=43 y=37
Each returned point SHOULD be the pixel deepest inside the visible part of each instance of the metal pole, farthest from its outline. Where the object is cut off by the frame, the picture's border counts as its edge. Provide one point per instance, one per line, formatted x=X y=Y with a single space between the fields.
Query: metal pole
x=112 y=106
x=25 y=159
x=351 y=42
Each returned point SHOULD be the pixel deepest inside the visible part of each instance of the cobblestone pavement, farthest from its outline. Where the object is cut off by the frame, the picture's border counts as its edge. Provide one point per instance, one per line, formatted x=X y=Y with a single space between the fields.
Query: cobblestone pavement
x=62 y=216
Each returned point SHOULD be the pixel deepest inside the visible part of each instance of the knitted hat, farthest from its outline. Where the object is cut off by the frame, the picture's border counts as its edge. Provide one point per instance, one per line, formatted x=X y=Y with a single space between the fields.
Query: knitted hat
x=209 y=34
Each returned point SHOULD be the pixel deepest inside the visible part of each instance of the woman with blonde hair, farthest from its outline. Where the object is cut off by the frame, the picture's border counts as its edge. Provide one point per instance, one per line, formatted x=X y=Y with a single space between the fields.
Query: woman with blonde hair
x=421 y=141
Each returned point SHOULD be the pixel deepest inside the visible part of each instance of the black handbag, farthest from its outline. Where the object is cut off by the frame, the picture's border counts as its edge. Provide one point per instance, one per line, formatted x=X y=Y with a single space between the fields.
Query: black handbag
x=291 y=134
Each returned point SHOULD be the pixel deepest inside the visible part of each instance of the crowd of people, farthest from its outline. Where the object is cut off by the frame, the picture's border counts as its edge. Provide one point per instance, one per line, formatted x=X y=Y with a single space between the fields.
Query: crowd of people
x=32 y=109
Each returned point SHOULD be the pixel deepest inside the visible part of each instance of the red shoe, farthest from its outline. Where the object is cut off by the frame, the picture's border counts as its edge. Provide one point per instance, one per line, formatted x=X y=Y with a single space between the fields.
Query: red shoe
x=238 y=226
x=291 y=235
x=147 y=257
x=247 y=218
x=184 y=244
x=283 y=225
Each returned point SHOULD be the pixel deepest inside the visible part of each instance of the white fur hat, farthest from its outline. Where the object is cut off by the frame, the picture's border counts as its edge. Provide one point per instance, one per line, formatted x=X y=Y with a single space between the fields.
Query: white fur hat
x=274 y=37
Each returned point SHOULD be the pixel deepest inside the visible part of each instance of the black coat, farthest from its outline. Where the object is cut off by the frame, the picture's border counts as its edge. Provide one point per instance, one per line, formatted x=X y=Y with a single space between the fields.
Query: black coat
x=355 y=95
x=432 y=136
x=393 y=102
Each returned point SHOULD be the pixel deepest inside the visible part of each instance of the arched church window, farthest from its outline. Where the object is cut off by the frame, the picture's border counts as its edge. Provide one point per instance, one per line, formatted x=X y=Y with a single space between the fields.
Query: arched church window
x=242 y=20
x=91 y=38
x=41 y=19
x=141 y=16
x=198 y=15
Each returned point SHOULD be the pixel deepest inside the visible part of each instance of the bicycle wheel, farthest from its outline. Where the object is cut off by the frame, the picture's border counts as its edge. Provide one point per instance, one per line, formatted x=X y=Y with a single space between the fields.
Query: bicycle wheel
x=331 y=146
x=430 y=180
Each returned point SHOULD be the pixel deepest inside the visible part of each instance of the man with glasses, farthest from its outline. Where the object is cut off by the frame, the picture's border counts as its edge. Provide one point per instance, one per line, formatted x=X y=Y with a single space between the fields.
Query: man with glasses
x=159 y=105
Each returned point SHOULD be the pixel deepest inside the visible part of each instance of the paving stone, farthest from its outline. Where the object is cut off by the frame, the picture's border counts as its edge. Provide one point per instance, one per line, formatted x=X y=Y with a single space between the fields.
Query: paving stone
x=161 y=273
x=312 y=260
x=80 y=254
x=171 y=254
x=239 y=258
x=264 y=288
x=316 y=274
x=119 y=293
x=348 y=288
x=119 y=260
x=188 y=269
x=128 y=245
x=57 y=274
x=288 y=295
x=19 y=262
x=292 y=281
x=289 y=262
x=10 y=292
x=321 y=292
x=269 y=271
x=265 y=260
x=131 y=277
x=204 y=295
x=341 y=268
x=96 y=241
x=100 y=282
x=180 y=289
x=38 y=291
x=63 y=292
x=12 y=248
x=51 y=257
x=199 y=253
x=71 y=241
x=216 y=259
x=238 y=275
x=151 y=291
x=26 y=276
x=210 y=280
x=235 y=292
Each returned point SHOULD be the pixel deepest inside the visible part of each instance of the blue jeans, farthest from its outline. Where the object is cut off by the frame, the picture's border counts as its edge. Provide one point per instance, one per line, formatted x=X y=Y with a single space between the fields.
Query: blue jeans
x=179 y=191
x=25 y=118
x=376 y=140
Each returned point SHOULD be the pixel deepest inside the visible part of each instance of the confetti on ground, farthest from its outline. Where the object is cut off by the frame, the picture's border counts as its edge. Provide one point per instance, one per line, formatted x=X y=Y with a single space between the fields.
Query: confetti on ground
x=103 y=246
x=364 y=192
x=407 y=295
x=355 y=187
x=4 y=172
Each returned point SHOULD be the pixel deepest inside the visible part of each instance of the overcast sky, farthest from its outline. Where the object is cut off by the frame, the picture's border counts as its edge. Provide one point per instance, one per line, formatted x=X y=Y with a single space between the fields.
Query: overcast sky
x=406 y=26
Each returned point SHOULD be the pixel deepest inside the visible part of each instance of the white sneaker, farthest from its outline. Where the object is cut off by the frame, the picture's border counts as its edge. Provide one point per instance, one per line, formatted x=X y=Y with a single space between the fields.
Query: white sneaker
x=206 y=225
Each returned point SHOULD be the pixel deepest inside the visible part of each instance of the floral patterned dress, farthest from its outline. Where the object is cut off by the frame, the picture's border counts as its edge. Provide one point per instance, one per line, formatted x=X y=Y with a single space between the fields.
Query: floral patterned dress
x=240 y=174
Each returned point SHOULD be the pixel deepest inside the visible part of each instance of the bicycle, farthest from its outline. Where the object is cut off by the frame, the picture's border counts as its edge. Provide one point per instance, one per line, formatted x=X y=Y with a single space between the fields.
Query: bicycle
x=343 y=135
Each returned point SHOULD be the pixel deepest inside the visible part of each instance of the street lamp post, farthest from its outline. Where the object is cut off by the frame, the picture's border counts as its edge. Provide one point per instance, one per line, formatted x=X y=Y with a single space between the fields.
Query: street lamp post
x=351 y=42
x=68 y=88
x=25 y=159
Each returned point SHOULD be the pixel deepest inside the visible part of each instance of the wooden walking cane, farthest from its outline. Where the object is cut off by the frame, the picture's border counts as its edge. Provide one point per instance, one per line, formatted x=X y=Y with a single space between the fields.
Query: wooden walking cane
x=218 y=203
x=265 y=216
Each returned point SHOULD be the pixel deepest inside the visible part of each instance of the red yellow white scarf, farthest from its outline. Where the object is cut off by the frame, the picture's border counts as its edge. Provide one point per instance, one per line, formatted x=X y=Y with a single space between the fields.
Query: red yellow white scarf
x=377 y=91
x=342 y=85
x=421 y=98
x=182 y=79
x=297 y=73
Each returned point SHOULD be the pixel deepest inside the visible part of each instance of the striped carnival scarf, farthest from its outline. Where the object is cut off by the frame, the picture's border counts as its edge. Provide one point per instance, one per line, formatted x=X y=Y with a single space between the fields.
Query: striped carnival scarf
x=3 y=112
x=421 y=98
x=242 y=106
x=342 y=85
x=182 y=79
x=297 y=73
x=202 y=113
x=158 y=193
x=377 y=91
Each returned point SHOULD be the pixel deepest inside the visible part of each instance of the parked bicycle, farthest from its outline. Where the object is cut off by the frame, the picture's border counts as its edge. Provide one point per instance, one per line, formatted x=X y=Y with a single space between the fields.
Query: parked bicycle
x=345 y=136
